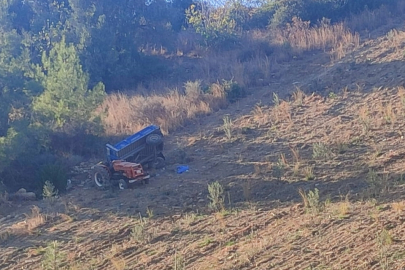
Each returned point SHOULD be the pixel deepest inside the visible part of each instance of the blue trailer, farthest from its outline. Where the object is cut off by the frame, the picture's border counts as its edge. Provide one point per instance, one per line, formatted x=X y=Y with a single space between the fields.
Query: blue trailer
x=135 y=147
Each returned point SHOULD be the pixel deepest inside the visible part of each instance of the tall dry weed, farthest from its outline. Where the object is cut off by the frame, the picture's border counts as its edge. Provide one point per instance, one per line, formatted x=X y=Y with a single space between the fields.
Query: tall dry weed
x=282 y=112
x=301 y=37
x=124 y=114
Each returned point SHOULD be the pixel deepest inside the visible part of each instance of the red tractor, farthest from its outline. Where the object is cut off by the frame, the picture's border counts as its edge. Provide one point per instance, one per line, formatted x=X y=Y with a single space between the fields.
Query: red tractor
x=123 y=171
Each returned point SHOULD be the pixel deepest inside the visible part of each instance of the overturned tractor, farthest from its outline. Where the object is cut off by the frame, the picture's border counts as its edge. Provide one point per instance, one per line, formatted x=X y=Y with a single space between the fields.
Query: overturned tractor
x=127 y=160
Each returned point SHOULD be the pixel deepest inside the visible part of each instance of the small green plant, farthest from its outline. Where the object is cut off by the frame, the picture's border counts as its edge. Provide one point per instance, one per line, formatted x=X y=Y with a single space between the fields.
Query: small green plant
x=230 y=243
x=149 y=212
x=364 y=120
x=49 y=192
x=309 y=173
x=53 y=258
x=3 y=197
x=138 y=232
x=321 y=150
x=342 y=147
x=401 y=93
x=205 y=242
x=5 y=235
x=278 y=169
x=296 y=169
x=378 y=151
x=298 y=97
x=377 y=185
x=344 y=208
x=390 y=114
x=332 y=95
x=384 y=240
x=276 y=99
x=311 y=200
x=189 y=218
x=216 y=196
x=178 y=263
x=247 y=190
x=227 y=126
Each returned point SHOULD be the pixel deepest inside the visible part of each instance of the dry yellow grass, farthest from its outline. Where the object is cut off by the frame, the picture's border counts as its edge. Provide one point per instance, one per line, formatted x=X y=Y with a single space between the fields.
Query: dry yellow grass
x=127 y=114
x=32 y=221
x=35 y=219
x=398 y=206
x=301 y=37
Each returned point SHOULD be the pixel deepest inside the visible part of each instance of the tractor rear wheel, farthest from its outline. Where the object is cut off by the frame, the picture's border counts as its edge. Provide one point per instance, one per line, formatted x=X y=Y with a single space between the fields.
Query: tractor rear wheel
x=159 y=163
x=101 y=177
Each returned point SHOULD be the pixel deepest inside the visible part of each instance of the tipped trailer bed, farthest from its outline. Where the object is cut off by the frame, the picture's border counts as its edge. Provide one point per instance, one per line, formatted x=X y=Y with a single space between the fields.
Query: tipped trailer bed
x=144 y=147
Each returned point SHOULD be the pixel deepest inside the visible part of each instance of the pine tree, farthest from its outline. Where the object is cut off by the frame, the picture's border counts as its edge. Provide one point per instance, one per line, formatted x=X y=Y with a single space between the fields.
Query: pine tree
x=66 y=101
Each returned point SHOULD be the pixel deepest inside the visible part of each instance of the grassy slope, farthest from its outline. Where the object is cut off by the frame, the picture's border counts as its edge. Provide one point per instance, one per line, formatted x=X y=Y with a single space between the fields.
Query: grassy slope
x=357 y=134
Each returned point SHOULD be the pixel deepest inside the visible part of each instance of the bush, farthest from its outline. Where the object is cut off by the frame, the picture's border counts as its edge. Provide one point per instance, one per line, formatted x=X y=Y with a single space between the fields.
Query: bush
x=53 y=173
x=81 y=143
x=216 y=25
x=31 y=171
x=233 y=91
x=315 y=10
x=259 y=18
x=216 y=196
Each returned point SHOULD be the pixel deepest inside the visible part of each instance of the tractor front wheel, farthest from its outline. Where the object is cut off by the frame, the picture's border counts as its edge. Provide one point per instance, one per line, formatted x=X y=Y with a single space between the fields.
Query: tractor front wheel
x=101 y=177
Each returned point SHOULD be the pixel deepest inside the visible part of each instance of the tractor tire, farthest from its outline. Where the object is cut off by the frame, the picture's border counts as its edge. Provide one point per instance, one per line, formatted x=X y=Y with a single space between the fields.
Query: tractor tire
x=122 y=184
x=159 y=163
x=101 y=177
x=154 y=139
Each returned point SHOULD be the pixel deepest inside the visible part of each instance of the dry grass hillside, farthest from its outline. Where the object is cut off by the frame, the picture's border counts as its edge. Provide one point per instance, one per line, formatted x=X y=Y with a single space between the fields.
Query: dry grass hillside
x=306 y=172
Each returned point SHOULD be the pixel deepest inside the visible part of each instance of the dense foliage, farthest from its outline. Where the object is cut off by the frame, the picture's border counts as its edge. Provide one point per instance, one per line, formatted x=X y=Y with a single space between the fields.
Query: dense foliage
x=59 y=58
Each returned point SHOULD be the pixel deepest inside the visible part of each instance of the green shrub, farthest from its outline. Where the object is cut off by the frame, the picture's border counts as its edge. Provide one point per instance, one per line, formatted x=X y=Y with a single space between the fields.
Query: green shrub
x=311 y=200
x=259 y=18
x=55 y=174
x=233 y=90
x=282 y=11
x=53 y=258
x=31 y=171
x=80 y=143
x=216 y=196
x=216 y=25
